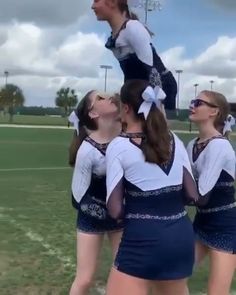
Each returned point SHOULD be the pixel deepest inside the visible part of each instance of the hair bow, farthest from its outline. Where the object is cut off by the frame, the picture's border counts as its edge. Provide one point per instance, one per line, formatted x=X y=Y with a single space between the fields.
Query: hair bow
x=150 y=96
x=229 y=123
x=73 y=118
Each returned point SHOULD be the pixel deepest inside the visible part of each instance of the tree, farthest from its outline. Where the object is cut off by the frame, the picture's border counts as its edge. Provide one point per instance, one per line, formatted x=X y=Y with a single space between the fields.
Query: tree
x=11 y=96
x=66 y=99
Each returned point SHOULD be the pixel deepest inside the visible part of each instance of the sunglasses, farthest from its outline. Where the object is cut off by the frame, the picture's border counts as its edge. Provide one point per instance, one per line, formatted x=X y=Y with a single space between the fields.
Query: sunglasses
x=195 y=103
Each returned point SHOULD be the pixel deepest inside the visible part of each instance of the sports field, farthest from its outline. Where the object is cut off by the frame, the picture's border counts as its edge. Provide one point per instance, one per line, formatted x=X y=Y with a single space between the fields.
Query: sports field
x=37 y=222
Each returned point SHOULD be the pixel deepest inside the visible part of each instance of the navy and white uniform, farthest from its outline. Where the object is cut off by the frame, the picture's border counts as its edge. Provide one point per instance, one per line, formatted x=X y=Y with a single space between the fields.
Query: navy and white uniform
x=152 y=246
x=89 y=189
x=138 y=59
x=213 y=164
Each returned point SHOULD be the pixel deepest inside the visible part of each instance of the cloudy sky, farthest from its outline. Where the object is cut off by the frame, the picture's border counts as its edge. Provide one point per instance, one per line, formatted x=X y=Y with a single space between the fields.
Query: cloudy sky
x=49 y=44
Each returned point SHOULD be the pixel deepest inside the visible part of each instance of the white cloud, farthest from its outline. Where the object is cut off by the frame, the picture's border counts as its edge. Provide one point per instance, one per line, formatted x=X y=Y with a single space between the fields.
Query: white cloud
x=41 y=61
x=217 y=63
x=43 y=12
x=80 y=54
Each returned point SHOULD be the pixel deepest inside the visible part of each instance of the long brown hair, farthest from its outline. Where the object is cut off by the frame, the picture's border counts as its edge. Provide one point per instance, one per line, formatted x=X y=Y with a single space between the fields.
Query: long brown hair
x=220 y=101
x=156 y=144
x=85 y=123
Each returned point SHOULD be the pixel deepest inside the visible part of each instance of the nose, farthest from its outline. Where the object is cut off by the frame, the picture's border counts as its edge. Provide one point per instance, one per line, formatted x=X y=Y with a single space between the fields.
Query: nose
x=92 y=7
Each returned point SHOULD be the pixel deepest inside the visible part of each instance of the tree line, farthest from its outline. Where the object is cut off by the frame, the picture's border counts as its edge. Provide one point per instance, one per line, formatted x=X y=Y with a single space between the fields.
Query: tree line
x=12 y=99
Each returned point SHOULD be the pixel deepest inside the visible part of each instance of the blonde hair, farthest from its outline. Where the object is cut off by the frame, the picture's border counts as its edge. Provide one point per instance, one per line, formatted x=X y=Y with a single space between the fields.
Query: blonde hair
x=220 y=101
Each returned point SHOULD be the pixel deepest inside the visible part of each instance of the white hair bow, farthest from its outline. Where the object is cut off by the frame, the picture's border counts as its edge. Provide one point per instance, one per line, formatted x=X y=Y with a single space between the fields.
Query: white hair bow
x=73 y=118
x=150 y=96
x=229 y=123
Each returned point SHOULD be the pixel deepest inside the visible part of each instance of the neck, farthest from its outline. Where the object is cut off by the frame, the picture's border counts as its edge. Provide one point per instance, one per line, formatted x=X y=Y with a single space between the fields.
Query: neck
x=116 y=22
x=134 y=127
x=106 y=134
x=102 y=136
x=207 y=130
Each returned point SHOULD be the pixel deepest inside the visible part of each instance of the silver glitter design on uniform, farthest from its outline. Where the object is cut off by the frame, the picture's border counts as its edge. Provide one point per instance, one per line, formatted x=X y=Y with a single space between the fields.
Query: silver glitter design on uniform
x=164 y=190
x=217 y=209
x=94 y=210
x=156 y=217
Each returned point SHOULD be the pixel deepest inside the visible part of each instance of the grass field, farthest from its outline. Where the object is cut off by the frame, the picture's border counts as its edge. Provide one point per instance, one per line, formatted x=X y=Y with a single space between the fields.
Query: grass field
x=59 y=121
x=37 y=222
x=34 y=120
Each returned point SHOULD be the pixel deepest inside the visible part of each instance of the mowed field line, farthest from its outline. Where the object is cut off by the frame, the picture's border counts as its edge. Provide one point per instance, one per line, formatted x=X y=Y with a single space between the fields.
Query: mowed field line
x=33 y=169
x=71 y=128
x=50 y=249
x=33 y=236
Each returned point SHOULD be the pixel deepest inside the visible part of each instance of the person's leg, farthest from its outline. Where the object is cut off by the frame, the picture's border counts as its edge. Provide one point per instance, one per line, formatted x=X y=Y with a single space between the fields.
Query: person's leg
x=122 y=284
x=171 y=287
x=88 y=250
x=201 y=251
x=222 y=268
x=115 y=238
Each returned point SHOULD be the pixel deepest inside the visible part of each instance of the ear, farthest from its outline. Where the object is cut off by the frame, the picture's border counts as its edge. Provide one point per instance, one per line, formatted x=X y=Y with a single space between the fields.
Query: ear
x=126 y=108
x=111 y=3
x=215 y=112
x=93 y=115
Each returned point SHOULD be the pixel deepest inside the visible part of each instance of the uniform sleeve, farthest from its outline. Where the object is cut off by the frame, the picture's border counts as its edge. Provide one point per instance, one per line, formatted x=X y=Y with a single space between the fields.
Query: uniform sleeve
x=114 y=169
x=218 y=155
x=82 y=173
x=189 y=149
x=139 y=39
x=190 y=191
x=114 y=181
x=183 y=153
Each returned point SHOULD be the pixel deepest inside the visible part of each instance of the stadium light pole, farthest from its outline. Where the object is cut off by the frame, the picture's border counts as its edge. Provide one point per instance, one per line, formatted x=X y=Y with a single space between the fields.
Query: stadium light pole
x=106 y=68
x=6 y=73
x=195 y=89
x=211 y=81
x=178 y=72
x=147 y=5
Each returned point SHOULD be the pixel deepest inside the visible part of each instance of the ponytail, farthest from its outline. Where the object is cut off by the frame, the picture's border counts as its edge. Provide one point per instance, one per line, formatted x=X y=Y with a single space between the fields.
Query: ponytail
x=76 y=143
x=156 y=145
x=157 y=139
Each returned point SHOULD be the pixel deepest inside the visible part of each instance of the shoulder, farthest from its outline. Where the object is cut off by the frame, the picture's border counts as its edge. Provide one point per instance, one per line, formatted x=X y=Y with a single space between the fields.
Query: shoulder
x=135 y=26
x=85 y=150
x=191 y=144
x=117 y=145
x=178 y=142
x=220 y=145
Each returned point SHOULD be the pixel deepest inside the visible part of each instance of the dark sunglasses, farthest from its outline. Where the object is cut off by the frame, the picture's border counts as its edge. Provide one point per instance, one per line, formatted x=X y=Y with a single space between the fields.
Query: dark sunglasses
x=195 y=103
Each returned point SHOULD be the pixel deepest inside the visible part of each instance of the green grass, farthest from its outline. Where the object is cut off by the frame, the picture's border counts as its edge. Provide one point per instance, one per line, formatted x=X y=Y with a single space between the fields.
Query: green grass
x=34 y=120
x=37 y=222
x=59 y=121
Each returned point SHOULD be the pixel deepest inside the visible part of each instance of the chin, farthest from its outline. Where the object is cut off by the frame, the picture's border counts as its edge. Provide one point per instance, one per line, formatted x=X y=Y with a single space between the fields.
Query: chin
x=100 y=18
x=192 y=118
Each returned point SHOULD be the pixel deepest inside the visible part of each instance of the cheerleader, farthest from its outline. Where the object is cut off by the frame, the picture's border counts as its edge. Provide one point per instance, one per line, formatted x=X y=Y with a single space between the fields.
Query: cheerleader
x=229 y=123
x=96 y=115
x=213 y=162
x=145 y=171
x=130 y=42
